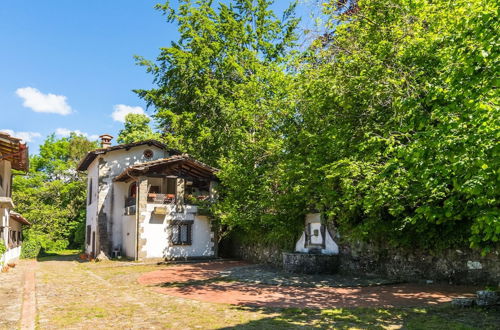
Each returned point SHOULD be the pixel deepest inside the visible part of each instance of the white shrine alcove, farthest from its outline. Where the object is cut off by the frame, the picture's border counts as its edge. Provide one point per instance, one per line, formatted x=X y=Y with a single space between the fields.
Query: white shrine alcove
x=316 y=238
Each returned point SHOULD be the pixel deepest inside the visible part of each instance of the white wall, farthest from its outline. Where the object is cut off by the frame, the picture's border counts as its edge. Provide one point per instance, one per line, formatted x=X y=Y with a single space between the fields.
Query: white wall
x=10 y=255
x=156 y=231
x=114 y=206
x=201 y=245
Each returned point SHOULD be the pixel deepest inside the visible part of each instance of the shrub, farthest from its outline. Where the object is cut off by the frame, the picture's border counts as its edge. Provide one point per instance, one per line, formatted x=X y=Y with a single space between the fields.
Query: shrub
x=30 y=249
x=3 y=249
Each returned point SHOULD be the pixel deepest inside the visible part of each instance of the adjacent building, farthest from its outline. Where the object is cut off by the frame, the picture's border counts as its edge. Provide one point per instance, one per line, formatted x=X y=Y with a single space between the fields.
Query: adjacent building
x=13 y=156
x=146 y=200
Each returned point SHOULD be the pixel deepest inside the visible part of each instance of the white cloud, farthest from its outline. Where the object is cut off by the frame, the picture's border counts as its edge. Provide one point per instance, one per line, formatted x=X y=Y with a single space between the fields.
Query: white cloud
x=25 y=136
x=40 y=102
x=122 y=110
x=64 y=132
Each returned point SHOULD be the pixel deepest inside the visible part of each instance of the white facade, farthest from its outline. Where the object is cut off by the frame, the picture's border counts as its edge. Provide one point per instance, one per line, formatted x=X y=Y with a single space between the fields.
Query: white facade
x=10 y=229
x=104 y=195
x=143 y=230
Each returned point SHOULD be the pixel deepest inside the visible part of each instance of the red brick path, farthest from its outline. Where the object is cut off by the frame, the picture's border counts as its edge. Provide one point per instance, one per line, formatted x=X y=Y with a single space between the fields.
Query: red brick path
x=238 y=293
x=28 y=313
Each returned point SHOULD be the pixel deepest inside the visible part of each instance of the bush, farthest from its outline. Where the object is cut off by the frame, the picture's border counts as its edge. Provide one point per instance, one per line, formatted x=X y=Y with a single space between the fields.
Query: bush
x=3 y=248
x=30 y=249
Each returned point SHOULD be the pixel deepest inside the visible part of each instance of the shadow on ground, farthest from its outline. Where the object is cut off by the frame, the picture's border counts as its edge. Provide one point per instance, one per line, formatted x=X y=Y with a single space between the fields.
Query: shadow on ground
x=442 y=317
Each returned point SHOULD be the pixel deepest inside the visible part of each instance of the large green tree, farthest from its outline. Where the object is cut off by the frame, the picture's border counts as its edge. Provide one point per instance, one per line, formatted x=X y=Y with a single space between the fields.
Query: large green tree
x=52 y=196
x=399 y=122
x=136 y=129
x=223 y=95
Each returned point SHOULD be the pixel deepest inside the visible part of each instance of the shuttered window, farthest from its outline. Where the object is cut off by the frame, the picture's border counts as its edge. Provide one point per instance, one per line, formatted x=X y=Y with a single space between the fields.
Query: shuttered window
x=182 y=232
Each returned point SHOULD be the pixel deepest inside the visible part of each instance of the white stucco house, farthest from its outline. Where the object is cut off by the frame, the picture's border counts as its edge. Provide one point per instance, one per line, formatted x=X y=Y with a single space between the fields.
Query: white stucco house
x=143 y=201
x=13 y=155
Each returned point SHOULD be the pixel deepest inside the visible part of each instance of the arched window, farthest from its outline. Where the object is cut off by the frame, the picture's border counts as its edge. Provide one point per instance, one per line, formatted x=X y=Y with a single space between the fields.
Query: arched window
x=132 y=192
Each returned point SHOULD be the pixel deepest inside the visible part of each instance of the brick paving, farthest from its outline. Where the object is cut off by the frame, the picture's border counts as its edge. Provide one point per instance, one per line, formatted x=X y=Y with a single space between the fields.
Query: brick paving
x=106 y=295
x=11 y=295
x=175 y=281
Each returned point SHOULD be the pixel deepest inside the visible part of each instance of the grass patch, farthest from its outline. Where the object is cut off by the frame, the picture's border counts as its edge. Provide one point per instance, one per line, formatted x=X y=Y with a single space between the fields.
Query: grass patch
x=58 y=255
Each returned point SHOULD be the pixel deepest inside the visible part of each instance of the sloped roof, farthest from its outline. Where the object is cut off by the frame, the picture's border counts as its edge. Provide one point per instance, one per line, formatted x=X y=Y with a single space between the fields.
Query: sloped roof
x=89 y=158
x=19 y=218
x=13 y=150
x=187 y=164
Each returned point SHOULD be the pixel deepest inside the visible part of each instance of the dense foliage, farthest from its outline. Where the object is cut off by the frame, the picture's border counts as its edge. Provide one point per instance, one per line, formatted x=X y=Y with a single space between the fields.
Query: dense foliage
x=388 y=123
x=3 y=248
x=399 y=122
x=224 y=95
x=136 y=128
x=30 y=249
x=53 y=194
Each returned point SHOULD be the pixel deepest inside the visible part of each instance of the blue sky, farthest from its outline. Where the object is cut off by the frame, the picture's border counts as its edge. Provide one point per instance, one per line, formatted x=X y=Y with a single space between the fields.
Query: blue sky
x=68 y=65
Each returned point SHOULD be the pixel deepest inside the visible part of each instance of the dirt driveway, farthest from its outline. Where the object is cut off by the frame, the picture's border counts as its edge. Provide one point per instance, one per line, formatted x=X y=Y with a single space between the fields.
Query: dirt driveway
x=200 y=282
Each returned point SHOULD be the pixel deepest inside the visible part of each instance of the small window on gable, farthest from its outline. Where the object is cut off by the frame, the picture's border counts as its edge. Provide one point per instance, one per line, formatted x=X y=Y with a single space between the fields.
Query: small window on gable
x=182 y=233
x=148 y=154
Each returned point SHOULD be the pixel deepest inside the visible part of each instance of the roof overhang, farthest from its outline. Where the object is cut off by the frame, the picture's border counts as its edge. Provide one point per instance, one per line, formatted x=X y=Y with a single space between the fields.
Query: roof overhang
x=19 y=218
x=89 y=158
x=177 y=165
x=6 y=203
x=12 y=150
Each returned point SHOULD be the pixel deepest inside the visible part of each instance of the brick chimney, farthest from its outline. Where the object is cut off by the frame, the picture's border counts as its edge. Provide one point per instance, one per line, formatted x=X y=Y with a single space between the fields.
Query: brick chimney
x=106 y=140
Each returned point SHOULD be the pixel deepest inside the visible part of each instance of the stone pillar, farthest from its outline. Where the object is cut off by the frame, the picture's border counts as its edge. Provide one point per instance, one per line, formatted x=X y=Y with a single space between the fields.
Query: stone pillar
x=180 y=191
x=142 y=202
x=102 y=237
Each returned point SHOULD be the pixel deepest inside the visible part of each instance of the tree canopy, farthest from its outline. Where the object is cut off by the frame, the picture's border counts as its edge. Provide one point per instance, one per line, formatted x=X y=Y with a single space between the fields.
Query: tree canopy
x=53 y=194
x=399 y=122
x=136 y=129
x=388 y=123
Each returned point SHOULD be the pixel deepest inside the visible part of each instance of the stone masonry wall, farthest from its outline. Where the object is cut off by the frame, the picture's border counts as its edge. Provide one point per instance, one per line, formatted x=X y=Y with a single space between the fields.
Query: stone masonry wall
x=103 y=239
x=141 y=213
x=458 y=266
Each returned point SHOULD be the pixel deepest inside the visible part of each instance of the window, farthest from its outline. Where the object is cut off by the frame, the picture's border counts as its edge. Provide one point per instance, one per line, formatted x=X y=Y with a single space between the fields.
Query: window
x=90 y=192
x=182 y=232
x=171 y=185
x=13 y=238
x=88 y=234
x=1 y=181
x=19 y=238
x=148 y=153
x=132 y=190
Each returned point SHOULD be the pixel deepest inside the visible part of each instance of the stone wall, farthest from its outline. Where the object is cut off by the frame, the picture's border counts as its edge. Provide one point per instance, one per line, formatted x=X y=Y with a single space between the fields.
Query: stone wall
x=458 y=266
